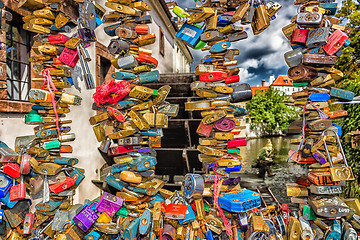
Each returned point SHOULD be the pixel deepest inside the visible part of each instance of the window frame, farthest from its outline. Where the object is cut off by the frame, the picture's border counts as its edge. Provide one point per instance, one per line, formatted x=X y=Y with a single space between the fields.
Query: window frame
x=161 y=42
x=17 y=82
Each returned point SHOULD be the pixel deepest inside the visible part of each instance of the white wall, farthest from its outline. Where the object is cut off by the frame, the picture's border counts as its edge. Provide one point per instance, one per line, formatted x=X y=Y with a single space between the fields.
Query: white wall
x=85 y=144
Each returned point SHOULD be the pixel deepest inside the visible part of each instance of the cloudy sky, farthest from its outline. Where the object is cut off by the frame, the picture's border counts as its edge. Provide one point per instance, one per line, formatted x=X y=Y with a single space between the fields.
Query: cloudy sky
x=262 y=55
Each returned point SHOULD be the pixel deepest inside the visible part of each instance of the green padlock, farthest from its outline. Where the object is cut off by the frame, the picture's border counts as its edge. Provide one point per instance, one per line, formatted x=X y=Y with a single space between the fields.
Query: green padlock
x=33 y=118
x=308 y=213
x=52 y=144
x=180 y=12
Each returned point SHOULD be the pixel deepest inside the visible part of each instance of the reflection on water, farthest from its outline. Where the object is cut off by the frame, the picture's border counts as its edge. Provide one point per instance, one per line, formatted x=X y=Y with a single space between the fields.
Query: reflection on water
x=286 y=172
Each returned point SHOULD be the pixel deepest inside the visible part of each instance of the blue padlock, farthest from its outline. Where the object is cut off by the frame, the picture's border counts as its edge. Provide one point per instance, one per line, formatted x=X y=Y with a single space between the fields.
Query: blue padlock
x=220 y=47
x=110 y=30
x=77 y=175
x=342 y=94
x=335 y=233
x=118 y=168
x=131 y=231
x=148 y=77
x=347 y=42
x=93 y=235
x=98 y=21
x=189 y=34
x=332 y=7
x=319 y=97
x=125 y=104
x=156 y=198
x=339 y=129
x=224 y=20
x=1 y=215
x=124 y=75
x=6 y=184
x=233 y=169
x=114 y=182
x=146 y=163
x=238 y=111
x=145 y=222
x=150 y=133
x=189 y=216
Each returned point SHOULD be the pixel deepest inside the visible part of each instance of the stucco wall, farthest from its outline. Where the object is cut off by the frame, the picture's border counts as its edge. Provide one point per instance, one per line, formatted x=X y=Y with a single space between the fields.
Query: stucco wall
x=85 y=144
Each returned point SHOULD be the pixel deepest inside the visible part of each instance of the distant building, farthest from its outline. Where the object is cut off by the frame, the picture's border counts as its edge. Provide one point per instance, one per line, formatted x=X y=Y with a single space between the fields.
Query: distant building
x=284 y=84
x=264 y=86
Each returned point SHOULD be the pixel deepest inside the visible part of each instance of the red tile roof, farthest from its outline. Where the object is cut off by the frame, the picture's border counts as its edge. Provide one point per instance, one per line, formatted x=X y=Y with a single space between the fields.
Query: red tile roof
x=261 y=89
x=282 y=80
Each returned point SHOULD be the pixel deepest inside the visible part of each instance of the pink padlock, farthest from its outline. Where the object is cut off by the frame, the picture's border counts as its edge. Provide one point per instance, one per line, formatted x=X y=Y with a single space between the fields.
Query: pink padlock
x=237 y=142
x=335 y=42
x=69 y=57
x=299 y=35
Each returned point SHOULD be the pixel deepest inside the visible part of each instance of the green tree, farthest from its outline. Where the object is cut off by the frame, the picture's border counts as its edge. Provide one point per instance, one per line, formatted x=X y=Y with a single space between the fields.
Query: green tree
x=349 y=64
x=271 y=109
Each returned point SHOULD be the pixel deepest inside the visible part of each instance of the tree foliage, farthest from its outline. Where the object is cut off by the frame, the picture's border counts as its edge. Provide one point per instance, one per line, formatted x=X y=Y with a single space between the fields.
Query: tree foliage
x=270 y=108
x=349 y=64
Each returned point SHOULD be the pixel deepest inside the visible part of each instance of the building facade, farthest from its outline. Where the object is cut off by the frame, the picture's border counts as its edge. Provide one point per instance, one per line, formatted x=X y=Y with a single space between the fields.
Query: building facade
x=284 y=84
x=16 y=73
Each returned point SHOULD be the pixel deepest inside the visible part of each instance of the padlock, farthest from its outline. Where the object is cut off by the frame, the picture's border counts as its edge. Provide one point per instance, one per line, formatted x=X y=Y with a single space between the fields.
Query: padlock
x=109 y=204
x=307 y=19
x=59 y=187
x=210 y=36
x=317 y=37
x=73 y=43
x=125 y=33
x=175 y=211
x=142 y=29
x=85 y=218
x=299 y=35
x=28 y=223
x=189 y=34
x=12 y=169
x=261 y=20
x=302 y=73
x=131 y=231
x=318 y=60
x=61 y=20
x=330 y=207
x=294 y=57
x=87 y=35
x=69 y=57
x=18 y=192
x=5 y=185
x=144 y=40
x=335 y=42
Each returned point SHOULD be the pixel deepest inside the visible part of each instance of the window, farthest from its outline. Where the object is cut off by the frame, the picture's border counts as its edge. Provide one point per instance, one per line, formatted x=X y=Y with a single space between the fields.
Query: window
x=104 y=70
x=18 y=48
x=161 y=42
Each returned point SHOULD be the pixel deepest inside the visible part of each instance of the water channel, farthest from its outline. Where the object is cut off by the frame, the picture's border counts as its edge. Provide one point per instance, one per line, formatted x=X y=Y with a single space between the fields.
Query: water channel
x=286 y=172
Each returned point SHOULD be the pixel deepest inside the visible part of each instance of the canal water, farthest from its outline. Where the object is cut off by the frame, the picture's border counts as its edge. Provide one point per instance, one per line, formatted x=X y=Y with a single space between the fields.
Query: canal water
x=286 y=172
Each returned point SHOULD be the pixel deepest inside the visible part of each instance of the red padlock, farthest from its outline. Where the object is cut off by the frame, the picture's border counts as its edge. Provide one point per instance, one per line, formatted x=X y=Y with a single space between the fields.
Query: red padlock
x=285 y=213
x=25 y=164
x=335 y=42
x=12 y=169
x=237 y=142
x=58 y=39
x=66 y=149
x=69 y=56
x=232 y=79
x=59 y=187
x=116 y=114
x=175 y=211
x=120 y=149
x=28 y=223
x=143 y=58
x=17 y=192
x=142 y=29
x=299 y=35
x=213 y=76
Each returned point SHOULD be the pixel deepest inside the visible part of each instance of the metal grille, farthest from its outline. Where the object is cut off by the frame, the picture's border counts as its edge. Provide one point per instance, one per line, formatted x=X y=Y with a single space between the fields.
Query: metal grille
x=18 y=72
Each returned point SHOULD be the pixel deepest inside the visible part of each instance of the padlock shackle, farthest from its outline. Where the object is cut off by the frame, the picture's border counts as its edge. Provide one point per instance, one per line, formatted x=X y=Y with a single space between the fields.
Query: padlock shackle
x=327 y=150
